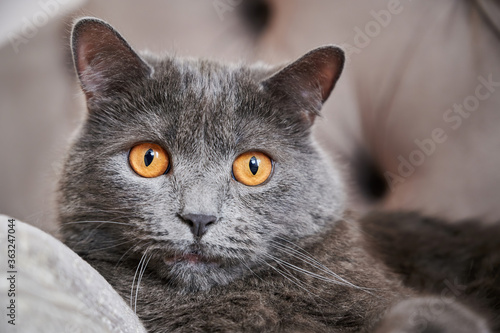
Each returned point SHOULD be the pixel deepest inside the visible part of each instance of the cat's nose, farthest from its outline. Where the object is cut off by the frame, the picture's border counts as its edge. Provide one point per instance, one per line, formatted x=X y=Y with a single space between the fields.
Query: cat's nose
x=199 y=223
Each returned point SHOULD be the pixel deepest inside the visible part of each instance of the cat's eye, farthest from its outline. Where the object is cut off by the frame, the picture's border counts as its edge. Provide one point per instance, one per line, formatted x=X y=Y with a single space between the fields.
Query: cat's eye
x=149 y=160
x=252 y=168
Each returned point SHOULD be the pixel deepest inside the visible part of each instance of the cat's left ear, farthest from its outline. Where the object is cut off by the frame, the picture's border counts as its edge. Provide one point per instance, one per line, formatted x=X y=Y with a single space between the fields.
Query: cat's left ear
x=104 y=61
x=309 y=80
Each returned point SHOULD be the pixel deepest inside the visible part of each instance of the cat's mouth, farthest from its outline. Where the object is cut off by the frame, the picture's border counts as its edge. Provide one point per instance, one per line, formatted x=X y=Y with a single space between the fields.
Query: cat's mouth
x=195 y=266
x=192 y=258
x=195 y=257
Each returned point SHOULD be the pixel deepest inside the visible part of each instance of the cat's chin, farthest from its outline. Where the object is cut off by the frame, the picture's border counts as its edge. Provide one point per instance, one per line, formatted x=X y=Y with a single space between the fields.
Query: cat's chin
x=197 y=273
x=191 y=260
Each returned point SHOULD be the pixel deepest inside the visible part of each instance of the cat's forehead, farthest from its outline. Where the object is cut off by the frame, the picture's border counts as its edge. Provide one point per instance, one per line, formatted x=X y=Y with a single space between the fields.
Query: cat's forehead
x=208 y=106
x=207 y=83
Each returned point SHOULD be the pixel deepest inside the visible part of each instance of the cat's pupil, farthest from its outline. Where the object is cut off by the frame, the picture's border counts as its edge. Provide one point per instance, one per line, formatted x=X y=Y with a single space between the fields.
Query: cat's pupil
x=148 y=157
x=254 y=165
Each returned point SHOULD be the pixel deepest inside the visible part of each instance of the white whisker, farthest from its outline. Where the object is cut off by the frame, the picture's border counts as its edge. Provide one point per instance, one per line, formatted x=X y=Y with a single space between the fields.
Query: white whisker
x=143 y=269
x=248 y=267
x=307 y=258
x=298 y=269
x=109 y=247
x=291 y=278
x=102 y=222
x=123 y=255
x=135 y=276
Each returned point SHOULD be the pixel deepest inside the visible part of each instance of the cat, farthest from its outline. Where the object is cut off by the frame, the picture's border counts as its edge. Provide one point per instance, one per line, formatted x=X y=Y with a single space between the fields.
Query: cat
x=195 y=188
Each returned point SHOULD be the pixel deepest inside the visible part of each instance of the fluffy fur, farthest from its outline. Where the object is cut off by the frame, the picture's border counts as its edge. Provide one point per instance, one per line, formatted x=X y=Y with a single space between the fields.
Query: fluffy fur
x=280 y=256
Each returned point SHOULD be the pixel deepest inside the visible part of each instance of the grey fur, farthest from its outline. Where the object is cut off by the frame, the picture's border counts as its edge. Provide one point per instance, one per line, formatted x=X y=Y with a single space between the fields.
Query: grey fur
x=261 y=266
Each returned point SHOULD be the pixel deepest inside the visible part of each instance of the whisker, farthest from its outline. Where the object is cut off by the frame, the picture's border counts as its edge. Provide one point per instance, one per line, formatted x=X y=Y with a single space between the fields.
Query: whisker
x=143 y=269
x=110 y=210
x=109 y=247
x=97 y=224
x=291 y=278
x=307 y=258
x=135 y=276
x=102 y=222
x=298 y=269
x=248 y=267
x=311 y=261
x=123 y=255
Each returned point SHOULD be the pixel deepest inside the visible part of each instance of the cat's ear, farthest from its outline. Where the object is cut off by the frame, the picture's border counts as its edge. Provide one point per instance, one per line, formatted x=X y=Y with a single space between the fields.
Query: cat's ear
x=309 y=80
x=104 y=61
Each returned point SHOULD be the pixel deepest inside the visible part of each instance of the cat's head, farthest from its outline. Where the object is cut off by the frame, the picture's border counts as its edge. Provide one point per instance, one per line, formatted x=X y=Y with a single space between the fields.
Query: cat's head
x=195 y=166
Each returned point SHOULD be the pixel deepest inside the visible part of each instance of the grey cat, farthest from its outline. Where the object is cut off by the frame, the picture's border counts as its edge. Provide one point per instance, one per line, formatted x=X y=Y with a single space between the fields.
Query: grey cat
x=196 y=189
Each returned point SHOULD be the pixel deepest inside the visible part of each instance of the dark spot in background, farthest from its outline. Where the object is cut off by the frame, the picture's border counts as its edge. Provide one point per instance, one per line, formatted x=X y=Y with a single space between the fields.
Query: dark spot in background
x=369 y=177
x=256 y=15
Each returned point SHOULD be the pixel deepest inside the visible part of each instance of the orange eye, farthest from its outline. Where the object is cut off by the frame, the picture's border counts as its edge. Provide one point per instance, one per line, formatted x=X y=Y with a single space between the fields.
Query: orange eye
x=252 y=168
x=149 y=160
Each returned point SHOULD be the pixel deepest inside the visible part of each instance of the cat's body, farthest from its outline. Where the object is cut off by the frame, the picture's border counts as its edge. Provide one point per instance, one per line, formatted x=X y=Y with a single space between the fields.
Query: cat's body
x=275 y=297
x=202 y=245
x=284 y=299
x=433 y=256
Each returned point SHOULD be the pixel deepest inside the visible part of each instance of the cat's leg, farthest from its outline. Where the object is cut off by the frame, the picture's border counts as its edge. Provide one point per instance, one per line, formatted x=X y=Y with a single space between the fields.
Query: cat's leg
x=432 y=315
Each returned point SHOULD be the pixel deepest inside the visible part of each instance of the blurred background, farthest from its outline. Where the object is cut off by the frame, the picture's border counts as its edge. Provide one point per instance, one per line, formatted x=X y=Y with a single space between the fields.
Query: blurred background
x=414 y=122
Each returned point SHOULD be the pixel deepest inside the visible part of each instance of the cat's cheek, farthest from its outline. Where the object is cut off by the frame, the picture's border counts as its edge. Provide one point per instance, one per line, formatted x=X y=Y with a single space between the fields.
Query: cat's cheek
x=235 y=234
x=252 y=213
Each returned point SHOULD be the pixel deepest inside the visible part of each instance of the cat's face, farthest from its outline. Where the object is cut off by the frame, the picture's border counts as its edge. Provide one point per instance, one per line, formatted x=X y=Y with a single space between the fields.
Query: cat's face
x=198 y=220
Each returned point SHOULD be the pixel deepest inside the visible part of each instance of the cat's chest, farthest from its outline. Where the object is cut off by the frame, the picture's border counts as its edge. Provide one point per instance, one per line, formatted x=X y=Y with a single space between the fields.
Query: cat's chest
x=267 y=301
x=253 y=305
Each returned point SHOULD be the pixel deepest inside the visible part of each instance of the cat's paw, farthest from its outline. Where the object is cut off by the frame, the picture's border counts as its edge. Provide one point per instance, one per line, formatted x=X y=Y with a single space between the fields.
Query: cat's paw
x=431 y=315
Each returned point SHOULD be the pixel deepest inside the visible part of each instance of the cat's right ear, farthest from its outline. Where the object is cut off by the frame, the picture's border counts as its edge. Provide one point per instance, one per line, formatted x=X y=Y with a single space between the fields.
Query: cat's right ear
x=308 y=81
x=104 y=61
